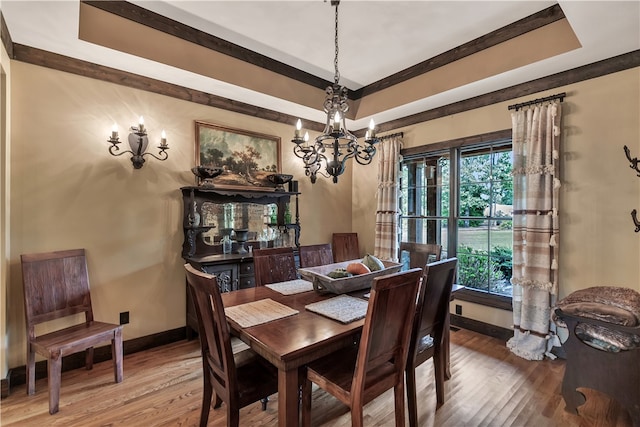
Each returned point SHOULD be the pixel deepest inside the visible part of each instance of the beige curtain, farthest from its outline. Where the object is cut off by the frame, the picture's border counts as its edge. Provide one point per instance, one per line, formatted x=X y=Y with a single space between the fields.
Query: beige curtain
x=536 y=146
x=386 y=242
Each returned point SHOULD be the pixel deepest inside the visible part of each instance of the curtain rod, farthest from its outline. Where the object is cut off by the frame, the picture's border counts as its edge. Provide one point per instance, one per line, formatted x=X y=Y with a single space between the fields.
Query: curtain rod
x=560 y=96
x=400 y=134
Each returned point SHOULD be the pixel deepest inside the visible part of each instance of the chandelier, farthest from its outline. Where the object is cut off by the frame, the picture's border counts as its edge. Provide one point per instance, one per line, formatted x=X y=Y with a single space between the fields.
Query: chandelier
x=336 y=144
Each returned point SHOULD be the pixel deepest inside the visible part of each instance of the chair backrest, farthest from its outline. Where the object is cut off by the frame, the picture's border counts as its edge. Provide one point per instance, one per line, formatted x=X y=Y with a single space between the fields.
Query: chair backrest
x=213 y=331
x=433 y=301
x=387 y=328
x=56 y=284
x=273 y=265
x=419 y=254
x=314 y=255
x=345 y=246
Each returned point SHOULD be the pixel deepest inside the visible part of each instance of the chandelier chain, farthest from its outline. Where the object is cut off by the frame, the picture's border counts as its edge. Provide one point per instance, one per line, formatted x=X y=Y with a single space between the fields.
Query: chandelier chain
x=336 y=78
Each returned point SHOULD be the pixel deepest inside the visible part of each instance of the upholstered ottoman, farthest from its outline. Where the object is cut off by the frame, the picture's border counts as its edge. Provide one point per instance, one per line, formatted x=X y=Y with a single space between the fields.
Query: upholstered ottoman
x=603 y=345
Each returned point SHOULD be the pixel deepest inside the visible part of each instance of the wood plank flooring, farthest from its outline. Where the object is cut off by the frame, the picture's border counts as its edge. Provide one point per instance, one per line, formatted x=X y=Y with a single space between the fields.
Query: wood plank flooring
x=163 y=387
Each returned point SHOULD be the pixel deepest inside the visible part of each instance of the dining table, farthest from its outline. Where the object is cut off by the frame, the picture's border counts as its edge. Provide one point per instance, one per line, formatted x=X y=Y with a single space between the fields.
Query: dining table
x=293 y=341
x=296 y=339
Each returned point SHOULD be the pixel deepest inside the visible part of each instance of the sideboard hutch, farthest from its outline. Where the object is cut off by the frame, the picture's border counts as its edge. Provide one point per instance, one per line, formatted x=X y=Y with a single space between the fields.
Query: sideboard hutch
x=269 y=218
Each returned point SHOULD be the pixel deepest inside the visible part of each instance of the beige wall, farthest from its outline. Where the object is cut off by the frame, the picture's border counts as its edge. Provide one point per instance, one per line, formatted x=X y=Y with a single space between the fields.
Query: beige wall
x=598 y=244
x=5 y=168
x=68 y=192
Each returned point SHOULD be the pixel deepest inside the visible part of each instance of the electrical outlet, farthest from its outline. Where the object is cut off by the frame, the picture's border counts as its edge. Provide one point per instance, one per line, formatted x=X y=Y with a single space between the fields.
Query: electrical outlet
x=458 y=309
x=124 y=317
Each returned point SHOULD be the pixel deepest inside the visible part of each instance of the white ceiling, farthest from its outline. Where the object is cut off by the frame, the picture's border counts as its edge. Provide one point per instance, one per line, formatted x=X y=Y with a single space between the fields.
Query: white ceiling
x=376 y=39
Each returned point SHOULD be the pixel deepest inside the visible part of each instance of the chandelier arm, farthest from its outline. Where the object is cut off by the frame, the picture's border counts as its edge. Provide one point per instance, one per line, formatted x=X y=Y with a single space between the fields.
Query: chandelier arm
x=313 y=158
x=345 y=158
x=366 y=158
x=300 y=151
x=321 y=172
x=352 y=151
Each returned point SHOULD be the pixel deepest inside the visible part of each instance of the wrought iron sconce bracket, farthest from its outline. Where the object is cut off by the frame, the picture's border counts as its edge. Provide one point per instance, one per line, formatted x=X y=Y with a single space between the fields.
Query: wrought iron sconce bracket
x=138 y=142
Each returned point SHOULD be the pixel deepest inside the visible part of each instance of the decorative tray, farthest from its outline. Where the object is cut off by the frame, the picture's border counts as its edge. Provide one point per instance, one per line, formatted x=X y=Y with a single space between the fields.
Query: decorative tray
x=325 y=284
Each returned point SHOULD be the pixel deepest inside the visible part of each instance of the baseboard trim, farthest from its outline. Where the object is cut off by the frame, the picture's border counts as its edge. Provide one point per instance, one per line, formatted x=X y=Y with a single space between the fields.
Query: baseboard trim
x=17 y=376
x=5 y=384
x=481 y=327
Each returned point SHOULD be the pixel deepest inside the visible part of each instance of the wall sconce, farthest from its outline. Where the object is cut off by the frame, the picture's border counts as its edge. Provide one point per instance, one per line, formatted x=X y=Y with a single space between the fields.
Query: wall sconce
x=138 y=142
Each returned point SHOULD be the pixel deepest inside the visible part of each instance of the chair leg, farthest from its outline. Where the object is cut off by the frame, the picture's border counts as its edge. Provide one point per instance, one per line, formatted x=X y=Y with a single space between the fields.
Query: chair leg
x=233 y=416
x=306 y=403
x=439 y=367
x=357 y=417
x=411 y=395
x=54 y=372
x=31 y=371
x=217 y=402
x=207 y=394
x=398 y=392
x=116 y=355
x=88 y=358
x=446 y=347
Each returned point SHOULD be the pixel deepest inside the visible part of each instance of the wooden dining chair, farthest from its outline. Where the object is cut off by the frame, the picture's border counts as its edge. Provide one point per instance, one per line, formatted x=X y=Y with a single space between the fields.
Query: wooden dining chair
x=273 y=265
x=314 y=255
x=359 y=374
x=429 y=328
x=419 y=254
x=56 y=285
x=234 y=383
x=345 y=246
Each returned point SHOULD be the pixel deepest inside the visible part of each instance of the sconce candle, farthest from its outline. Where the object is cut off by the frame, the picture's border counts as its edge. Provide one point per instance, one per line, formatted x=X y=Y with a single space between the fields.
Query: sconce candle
x=372 y=129
x=141 y=124
x=298 y=127
x=336 y=122
x=163 y=139
x=114 y=131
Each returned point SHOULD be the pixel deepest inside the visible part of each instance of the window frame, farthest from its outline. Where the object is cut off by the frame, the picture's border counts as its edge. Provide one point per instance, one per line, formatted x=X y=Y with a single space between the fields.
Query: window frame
x=454 y=147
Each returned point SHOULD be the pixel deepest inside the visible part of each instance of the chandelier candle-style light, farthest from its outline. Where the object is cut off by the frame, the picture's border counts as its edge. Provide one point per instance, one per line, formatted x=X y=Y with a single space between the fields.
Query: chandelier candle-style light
x=336 y=144
x=138 y=142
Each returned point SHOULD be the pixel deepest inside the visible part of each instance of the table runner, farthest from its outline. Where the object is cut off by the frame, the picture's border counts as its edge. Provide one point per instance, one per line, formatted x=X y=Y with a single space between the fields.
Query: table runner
x=343 y=308
x=291 y=287
x=258 y=312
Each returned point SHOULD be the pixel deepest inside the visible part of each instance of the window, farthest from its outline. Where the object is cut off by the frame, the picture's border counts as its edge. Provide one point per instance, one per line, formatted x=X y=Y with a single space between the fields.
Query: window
x=461 y=197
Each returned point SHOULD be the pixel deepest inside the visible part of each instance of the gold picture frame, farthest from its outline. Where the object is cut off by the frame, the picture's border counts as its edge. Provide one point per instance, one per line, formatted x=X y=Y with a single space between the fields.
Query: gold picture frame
x=247 y=158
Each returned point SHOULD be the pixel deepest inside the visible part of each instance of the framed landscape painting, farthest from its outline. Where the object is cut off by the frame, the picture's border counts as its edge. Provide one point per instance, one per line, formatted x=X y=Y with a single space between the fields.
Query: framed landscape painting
x=247 y=158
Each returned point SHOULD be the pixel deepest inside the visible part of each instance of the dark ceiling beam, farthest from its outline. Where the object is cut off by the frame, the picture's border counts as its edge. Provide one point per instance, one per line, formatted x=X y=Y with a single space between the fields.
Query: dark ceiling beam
x=169 y=26
x=501 y=35
x=575 y=75
x=87 y=69
x=5 y=36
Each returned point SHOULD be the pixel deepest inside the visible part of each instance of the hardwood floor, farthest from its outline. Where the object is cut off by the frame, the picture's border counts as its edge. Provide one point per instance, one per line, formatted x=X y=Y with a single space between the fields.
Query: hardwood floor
x=163 y=387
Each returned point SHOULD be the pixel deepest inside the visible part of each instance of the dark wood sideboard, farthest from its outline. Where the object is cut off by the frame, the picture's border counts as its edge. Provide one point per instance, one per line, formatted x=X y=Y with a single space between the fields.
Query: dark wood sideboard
x=203 y=212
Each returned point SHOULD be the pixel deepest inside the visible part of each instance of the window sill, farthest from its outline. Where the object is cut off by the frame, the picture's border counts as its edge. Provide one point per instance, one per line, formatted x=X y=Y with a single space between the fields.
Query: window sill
x=483 y=298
